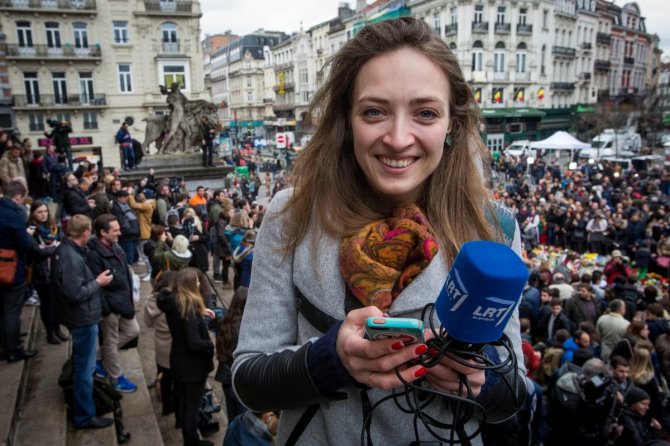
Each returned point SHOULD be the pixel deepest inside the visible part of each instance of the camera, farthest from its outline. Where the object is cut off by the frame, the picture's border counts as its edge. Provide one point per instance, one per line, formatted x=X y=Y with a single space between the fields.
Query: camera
x=597 y=389
x=52 y=123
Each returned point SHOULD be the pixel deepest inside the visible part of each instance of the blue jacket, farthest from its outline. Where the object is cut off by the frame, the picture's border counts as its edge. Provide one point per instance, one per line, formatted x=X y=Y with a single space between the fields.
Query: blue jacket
x=247 y=430
x=13 y=235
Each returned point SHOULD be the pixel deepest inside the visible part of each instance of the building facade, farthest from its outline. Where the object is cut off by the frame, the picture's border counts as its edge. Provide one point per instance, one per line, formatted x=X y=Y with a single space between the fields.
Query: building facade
x=95 y=63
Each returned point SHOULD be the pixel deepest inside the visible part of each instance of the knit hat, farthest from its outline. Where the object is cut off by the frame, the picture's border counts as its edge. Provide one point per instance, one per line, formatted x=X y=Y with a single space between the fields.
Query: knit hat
x=180 y=247
x=635 y=395
x=616 y=253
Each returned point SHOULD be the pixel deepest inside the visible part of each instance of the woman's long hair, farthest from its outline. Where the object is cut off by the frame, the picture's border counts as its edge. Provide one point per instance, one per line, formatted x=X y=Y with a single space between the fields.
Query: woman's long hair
x=189 y=301
x=229 y=327
x=50 y=223
x=455 y=198
x=641 y=368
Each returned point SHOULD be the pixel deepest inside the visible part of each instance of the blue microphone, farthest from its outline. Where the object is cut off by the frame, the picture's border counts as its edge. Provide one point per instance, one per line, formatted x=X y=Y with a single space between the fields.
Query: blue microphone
x=481 y=292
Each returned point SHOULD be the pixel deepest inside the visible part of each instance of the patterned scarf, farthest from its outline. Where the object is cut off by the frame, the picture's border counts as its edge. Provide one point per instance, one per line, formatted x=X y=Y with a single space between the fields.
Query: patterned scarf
x=385 y=256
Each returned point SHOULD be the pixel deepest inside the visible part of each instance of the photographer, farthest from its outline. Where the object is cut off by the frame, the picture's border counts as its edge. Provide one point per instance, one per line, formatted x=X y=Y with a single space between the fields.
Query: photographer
x=583 y=407
x=60 y=132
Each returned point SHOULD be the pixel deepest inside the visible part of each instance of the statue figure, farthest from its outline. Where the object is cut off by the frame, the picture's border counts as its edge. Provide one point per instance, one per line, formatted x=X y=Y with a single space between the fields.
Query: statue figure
x=180 y=130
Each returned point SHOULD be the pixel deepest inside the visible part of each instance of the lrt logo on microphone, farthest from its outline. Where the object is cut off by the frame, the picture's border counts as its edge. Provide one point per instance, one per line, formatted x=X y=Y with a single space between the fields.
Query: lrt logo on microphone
x=494 y=313
x=456 y=289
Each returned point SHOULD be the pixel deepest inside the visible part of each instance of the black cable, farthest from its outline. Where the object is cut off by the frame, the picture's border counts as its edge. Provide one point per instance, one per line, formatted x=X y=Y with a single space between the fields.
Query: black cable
x=417 y=395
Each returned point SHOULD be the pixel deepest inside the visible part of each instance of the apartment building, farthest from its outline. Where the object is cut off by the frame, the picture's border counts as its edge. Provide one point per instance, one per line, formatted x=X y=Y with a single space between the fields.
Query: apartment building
x=95 y=63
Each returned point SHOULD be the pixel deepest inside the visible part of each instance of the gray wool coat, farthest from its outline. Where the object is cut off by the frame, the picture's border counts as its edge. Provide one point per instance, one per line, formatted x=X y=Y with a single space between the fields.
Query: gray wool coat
x=272 y=323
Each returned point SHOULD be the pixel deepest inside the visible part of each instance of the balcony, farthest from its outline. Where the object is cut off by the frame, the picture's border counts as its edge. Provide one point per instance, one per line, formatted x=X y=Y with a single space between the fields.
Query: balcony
x=42 y=52
x=170 y=47
x=56 y=6
x=585 y=76
x=586 y=46
x=156 y=7
x=500 y=76
x=283 y=107
x=602 y=65
x=562 y=86
x=58 y=101
x=502 y=28
x=286 y=86
x=603 y=38
x=451 y=29
x=564 y=51
x=522 y=77
x=629 y=60
x=480 y=27
x=523 y=29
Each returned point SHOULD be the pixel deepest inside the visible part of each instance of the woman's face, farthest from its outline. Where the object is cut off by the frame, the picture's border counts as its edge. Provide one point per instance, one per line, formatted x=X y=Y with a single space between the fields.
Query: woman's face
x=72 y=181
x=400 y=119
x=41 y=214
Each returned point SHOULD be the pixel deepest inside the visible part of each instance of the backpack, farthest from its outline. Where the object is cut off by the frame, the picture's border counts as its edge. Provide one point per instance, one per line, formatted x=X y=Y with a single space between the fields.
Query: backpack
x=172 y=211
x=130 y=225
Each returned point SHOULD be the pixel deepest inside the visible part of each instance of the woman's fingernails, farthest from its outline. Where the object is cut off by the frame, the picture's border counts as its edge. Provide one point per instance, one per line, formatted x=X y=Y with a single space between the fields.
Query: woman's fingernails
x=385 y=314
x=420 y=372
x=433 y=352
x=420 y=350
x=397 y=345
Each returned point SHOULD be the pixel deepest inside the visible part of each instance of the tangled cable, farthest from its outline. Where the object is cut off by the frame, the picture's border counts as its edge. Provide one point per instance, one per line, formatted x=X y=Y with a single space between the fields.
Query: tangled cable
x=417 y=395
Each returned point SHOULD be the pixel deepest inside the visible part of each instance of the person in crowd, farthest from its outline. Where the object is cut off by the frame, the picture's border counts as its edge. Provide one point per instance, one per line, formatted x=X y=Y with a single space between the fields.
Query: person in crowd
x=221 y=253
x=616 y=267
x=119 y=325
x=198 y=237
x=252 y=429
x=130 y=225
x=125 y=142
x=173 y=258
x=565 y=289
x=404 y=150
x=60 y=135
x=78 y=301
x=226 y=342
x=636 y=336
x=208 y=133
x=192 y=350
x=656 y=322
x=611 y=327
x=38 y=184
x=144 y=209
x=642 y=376
x=239 y=225
x=158 y=234
x=579 y=340
x=11 y=165
x=47 y=237
x=199 y=202
x=637 y=429
x=595 y=230
x=582 y=307
x=162 y=205
x=244 y=257
x=15 y=242
x=75 y=200
x=154 y=317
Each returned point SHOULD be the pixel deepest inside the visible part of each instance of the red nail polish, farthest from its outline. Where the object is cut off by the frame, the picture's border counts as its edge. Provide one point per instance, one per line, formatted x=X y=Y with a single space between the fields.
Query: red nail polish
x=420 y=350
x=419 y=373
x=397 y=345
x=433 y=352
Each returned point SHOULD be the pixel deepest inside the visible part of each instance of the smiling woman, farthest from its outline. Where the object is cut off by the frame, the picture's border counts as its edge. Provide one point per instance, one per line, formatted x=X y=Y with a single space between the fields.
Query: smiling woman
x=386 y=192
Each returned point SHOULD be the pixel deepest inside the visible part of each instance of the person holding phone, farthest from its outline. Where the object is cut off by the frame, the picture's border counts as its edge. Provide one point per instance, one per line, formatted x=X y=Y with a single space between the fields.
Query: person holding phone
x=385 y=193
x=79 y=307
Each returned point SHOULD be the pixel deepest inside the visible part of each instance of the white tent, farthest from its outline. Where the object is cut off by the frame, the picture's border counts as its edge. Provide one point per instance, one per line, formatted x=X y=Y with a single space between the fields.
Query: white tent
x=560 y=141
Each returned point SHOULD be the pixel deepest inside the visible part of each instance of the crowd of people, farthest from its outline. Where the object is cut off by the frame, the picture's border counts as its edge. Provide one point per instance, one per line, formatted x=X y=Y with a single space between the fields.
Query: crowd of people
x=592 y=337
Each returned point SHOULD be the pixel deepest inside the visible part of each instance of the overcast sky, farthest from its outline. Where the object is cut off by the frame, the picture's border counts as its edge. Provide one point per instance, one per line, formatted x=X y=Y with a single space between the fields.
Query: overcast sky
x=244 y=16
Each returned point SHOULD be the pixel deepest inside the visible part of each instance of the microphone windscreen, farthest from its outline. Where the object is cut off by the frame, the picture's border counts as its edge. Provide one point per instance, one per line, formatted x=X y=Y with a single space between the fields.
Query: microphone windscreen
x=482 y=289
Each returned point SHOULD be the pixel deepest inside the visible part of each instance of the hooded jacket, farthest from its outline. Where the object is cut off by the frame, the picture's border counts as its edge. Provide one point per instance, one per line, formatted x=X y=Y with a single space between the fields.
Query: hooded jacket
x=13 y=235
x=192 y=353
x=117 y=297
x=76 y=293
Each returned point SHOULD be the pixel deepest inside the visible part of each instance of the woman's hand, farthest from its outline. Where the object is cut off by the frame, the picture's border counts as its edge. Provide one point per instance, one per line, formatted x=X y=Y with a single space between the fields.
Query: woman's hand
x=209 y=313
x=373 y=363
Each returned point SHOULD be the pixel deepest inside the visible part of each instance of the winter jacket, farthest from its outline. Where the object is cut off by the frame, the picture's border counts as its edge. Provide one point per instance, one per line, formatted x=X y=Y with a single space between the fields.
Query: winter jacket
x=130 y=225
x=611 y=329
x=144 y=211
x=192 y=351
x=13 y=235
x=117 y=297
x=10 y=168
x=75 y=201
x=77 y=297
x=270 y=372
x=42 y=260
x=221 y=242
x=244 y=256
x=168 y=260
x=154 y=317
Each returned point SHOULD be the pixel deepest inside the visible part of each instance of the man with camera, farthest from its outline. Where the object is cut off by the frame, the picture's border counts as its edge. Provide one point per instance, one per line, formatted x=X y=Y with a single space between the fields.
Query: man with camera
x=60 y=134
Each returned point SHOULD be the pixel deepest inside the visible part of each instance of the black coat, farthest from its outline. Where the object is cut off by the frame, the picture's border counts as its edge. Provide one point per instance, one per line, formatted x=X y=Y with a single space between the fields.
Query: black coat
x=117 y=297
x=199 y=249
x=13 y=235
x=543 y=325
x=77 y=297
x=42 y=258
x=75 y=201
x=192 y=349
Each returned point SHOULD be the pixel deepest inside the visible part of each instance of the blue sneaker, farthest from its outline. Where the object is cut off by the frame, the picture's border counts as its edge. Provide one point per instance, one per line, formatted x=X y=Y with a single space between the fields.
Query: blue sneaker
x=100 y=371
x=122 y=384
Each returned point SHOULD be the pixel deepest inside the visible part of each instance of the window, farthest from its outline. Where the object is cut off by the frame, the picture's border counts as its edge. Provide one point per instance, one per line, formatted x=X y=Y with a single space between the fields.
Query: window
x=249 y=81
x=521 y=58
x=250 y=98
x=523 y=15
x=543 y=56
x=478 y=56
x=24 y=34
x=60 y=87
x=53 y=35
x=80 y=35
x=169 y=32
x=120 y=32
x=35 y=122
x=304 y=75
x=453 y=13
x=452 y=46
x=86 y=92
x=126 y=79
x=500 y=17
x=545 y=19
x=479 y=12
x=499 y=58
x=61 y=116
x=436 y=22
x=32 y=88
x=175 y=73
x=90 y=120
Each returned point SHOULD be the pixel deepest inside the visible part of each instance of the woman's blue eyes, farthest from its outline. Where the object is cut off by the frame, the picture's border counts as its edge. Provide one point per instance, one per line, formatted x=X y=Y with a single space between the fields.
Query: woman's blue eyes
x=423 y=114
x=426 y=114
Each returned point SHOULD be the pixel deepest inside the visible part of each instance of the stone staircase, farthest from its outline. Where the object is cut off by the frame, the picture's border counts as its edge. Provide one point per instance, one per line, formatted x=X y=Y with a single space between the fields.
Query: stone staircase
x=32 y=408
x=186 y=165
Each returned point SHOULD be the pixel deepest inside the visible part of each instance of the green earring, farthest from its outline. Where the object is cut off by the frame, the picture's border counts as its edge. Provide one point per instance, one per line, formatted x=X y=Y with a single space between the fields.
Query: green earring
x=447 y=141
